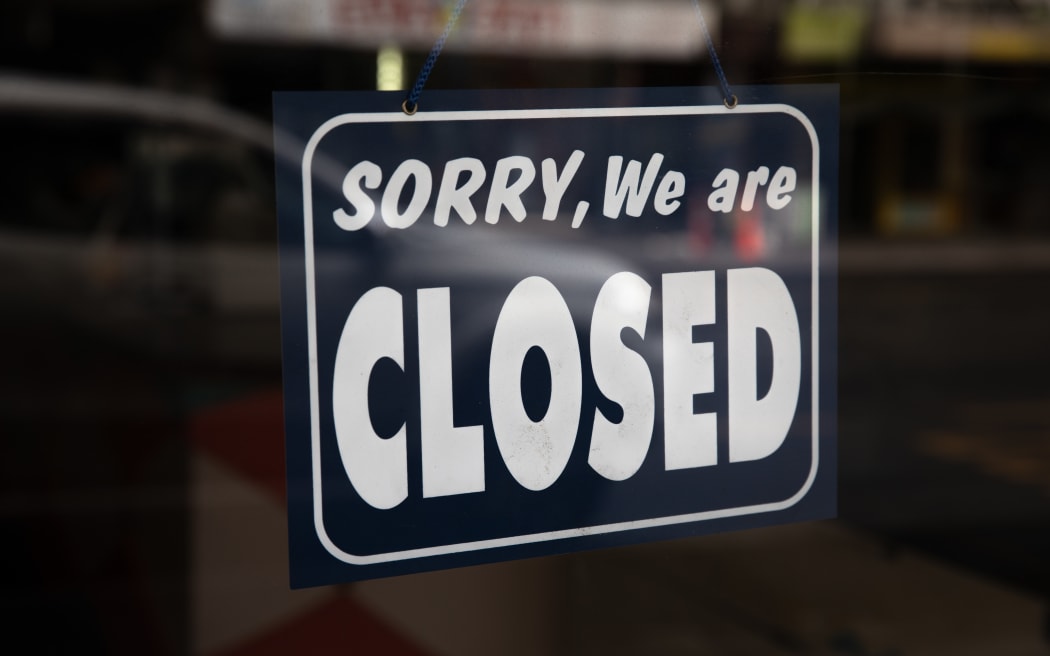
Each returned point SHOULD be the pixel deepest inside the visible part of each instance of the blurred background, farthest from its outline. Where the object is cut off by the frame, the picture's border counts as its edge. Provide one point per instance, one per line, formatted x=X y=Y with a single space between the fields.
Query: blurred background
x=141 y=436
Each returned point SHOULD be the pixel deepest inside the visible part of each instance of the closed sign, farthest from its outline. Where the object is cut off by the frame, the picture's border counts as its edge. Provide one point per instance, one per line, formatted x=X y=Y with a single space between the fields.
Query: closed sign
x=519 y=324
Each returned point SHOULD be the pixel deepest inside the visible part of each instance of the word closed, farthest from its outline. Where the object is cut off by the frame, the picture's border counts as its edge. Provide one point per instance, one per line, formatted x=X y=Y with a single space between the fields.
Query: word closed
x=535 y=315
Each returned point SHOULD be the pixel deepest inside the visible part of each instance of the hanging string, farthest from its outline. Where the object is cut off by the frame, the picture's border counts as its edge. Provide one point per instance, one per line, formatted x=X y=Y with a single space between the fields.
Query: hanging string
x=411 y=103
x=728 y=97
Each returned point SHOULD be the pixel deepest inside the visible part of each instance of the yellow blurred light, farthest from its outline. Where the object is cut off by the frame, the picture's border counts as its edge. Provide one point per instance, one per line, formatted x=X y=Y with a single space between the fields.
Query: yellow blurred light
x=390 y=69
x=1018 y=44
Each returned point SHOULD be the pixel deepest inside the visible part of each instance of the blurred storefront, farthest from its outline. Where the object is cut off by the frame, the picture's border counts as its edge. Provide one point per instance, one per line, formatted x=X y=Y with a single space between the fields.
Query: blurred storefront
x=937 y=96
x=142 y=490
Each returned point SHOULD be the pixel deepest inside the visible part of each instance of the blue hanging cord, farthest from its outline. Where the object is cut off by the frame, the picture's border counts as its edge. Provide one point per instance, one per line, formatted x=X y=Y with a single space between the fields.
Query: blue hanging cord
x=411 y=103
x=728 y=97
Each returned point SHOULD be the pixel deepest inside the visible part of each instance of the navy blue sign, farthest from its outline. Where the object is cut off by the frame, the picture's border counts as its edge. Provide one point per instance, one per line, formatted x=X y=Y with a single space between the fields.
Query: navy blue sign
x=524 y=323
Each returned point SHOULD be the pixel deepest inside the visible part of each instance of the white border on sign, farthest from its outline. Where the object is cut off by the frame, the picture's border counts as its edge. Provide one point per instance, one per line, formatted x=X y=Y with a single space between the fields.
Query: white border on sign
x=548 y=536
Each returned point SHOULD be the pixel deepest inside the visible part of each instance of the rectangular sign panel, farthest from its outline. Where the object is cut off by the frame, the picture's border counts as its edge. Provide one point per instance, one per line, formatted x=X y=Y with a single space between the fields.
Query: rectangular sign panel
x=525 y=323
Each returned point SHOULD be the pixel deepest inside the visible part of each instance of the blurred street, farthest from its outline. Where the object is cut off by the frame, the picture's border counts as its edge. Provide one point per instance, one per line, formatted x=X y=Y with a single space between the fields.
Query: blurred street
x=945 y=409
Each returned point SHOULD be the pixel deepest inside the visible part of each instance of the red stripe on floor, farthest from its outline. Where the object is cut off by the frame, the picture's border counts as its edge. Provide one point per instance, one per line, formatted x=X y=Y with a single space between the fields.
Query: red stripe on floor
x=247 y=435
x=339 y=627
